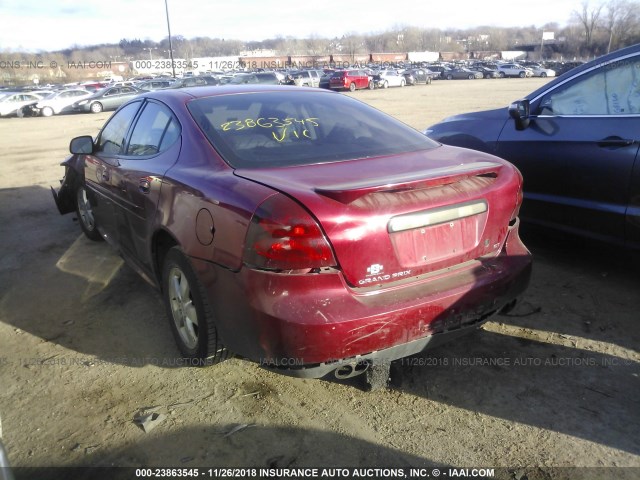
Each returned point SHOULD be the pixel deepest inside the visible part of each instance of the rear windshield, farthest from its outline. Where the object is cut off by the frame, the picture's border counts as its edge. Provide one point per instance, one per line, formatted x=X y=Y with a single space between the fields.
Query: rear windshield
x=286 y=128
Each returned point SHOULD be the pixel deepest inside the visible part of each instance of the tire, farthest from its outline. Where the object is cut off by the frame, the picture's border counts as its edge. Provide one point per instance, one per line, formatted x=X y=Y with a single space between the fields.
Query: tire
x=352 y=87
x=449 y=77
x=428 y=82
x=472 y=77
x=401 y=83
x=96 y=107
x=543 y=75
x=189 y=312
x=501 y=74
x=84 y=211
x=522 y=74
x=385 y=84
x=372 y=85
x=20 y=112
x=47 y=112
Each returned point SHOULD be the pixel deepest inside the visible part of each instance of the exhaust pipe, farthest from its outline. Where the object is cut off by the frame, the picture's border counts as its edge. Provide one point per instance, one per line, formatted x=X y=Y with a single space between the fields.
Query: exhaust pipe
x=350 y=370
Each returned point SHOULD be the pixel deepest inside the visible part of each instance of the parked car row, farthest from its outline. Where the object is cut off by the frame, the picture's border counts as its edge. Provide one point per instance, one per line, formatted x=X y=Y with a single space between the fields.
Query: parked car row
x=97 y=96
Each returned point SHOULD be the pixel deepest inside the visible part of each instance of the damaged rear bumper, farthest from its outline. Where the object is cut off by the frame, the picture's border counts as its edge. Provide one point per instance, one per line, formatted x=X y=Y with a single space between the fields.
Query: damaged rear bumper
x=308 y=325
x=65 y=195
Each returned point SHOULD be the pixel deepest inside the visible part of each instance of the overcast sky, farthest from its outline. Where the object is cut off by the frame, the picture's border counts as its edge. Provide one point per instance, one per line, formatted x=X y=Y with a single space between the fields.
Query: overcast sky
x=56 y=24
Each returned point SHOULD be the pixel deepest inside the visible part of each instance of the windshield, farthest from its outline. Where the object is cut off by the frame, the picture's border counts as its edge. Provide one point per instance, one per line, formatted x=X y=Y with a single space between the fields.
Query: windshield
x=266 y=129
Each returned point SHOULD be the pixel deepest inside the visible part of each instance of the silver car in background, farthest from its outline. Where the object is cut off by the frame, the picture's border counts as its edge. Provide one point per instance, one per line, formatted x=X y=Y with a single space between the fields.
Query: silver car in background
x=58 y=102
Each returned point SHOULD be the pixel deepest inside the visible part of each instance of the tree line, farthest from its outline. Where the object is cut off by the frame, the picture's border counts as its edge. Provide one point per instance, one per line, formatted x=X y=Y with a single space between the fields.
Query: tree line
x=592 y=30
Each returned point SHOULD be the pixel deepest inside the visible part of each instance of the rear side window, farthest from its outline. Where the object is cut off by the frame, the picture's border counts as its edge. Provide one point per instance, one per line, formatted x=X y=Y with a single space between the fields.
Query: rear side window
x=267 y=129
x=113 y=135
x=155 y=131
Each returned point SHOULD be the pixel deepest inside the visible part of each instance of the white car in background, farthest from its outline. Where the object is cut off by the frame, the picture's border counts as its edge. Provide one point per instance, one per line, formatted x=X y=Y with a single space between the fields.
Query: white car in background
x=59 y=102
x=514 y=70
x=540 y=71
x=13 y=103
x=389 y=78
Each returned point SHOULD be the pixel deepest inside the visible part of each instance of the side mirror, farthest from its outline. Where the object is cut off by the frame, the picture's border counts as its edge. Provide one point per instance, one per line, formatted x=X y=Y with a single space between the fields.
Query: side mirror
x=519 y=111
x=81 y=145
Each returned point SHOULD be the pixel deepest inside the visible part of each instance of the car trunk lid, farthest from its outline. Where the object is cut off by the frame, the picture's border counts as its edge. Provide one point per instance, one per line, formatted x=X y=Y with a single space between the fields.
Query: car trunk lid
x=392 y=218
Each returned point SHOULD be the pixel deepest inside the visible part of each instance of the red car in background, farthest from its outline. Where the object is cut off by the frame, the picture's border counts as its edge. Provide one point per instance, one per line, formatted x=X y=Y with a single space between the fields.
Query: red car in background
x=299 y=228
x=351 y=80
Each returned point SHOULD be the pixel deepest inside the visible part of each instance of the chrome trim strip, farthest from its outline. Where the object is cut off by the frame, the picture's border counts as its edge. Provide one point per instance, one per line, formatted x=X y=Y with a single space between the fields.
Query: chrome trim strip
x=436 y=216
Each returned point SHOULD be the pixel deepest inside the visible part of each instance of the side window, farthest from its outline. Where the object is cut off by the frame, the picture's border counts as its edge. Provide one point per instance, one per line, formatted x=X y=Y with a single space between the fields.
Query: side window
x=613 y=89
x=112 y=137
x=155 y=131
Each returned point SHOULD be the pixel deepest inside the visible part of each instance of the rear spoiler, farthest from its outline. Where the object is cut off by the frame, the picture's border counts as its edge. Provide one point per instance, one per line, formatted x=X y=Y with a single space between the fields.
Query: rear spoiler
x=350 y=192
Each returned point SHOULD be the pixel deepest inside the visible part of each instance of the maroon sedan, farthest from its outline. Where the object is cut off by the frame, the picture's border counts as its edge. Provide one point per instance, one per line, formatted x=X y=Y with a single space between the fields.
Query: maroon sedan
x=299 y=228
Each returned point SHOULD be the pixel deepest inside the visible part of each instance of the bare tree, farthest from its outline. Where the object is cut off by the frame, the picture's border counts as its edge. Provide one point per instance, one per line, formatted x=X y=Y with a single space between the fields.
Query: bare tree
x=589 y=19
x=316 y=45
x=621 y=21
x=352 y=43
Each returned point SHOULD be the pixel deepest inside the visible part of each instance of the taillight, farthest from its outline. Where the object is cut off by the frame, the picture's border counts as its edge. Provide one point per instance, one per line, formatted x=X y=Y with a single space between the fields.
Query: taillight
x=519 y=198
x=283 y=236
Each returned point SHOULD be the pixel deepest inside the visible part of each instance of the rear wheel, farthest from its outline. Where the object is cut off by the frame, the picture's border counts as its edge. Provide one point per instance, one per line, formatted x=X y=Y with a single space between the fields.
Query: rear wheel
x=84 y=210
x=190 y=314
x=352 y=87
x=96 y=107
x=522 y=74
x=385 y=84
x=47 y=111
x=372 y=85
x=543 y=74
x=501 y=74
x=472 y=77
x=449 y=77
x=402 y=83
x=428 y=82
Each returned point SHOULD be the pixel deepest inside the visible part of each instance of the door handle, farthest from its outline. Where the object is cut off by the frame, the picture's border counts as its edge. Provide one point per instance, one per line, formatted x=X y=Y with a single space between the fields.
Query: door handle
x=615 y=142
x=144 y=185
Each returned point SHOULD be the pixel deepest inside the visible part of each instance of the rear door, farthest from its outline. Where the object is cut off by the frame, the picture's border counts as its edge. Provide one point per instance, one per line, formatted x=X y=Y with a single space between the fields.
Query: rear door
x=362 y=79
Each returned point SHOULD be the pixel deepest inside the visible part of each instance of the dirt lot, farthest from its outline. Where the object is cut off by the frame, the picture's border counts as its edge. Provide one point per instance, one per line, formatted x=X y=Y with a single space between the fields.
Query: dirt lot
x=85 y=346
